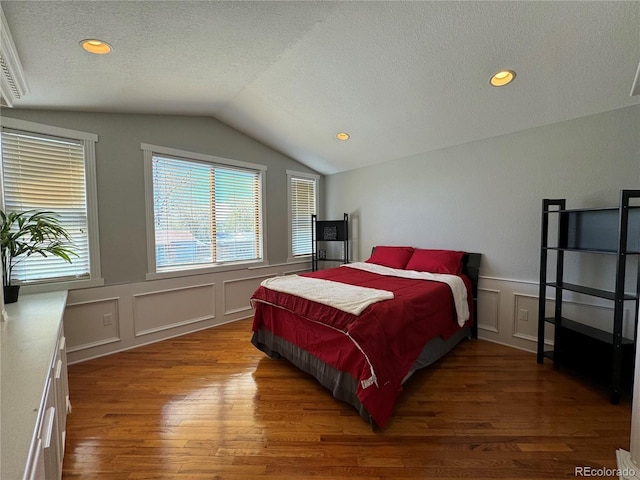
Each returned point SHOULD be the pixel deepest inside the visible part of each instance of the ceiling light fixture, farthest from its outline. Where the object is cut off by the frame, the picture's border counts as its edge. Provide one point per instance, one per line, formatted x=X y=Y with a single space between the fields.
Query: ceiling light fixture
x=342 y=136
x=96 y=46
x=502 y=78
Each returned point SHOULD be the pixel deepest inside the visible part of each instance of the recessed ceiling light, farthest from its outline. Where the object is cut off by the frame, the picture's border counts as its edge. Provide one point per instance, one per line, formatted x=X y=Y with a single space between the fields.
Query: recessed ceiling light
x=502 y=78
x=93 y=45
x=342 y=136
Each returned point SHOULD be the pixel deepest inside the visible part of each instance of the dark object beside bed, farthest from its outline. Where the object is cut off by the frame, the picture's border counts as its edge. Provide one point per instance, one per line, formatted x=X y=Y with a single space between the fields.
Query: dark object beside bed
x=343 y=385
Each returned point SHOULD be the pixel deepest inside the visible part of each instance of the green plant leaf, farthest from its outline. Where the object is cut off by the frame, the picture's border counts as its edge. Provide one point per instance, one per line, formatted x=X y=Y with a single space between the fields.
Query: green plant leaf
x=31 y=232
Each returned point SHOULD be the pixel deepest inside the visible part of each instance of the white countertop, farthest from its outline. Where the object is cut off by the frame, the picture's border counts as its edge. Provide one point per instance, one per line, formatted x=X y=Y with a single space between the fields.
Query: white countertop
x=28 y=339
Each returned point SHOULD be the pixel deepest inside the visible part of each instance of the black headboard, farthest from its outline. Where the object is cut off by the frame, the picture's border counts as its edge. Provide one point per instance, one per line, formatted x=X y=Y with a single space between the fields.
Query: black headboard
x=471 y=268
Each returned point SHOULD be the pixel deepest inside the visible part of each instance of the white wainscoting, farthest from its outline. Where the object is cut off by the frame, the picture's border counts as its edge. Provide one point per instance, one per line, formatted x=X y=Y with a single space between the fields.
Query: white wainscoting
x=499 y=303
x=173 y=307
x=103 y=320
x=488 y=310
x=91 y=323
x=508 y=312
x=525 y=316
x=238 y=291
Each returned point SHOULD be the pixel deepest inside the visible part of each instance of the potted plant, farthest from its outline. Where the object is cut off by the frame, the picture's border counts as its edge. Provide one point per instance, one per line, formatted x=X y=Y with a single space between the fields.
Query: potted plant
x=27 y=233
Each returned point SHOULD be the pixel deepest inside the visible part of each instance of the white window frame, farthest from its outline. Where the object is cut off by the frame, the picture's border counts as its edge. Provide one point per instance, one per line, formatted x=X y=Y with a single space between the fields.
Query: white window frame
x=148 y=152
x=88 y=140
x=291 y=174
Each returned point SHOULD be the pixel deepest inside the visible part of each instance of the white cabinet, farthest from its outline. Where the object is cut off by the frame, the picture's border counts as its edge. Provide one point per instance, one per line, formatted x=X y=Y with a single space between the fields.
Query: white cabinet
x=51 y=427
x=35 y=388
x=37 y=463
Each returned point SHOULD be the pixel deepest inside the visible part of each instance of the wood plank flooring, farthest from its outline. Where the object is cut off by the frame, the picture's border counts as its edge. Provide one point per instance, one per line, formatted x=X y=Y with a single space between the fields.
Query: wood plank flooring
x=210 y=406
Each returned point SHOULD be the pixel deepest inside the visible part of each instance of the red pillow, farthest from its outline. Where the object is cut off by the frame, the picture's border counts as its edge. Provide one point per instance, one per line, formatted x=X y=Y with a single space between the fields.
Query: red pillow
x=436 y=261
x=394 y=257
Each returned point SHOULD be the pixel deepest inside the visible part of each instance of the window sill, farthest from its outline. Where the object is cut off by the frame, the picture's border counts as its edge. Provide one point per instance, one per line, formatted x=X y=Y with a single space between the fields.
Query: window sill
x=290 y=261
x=56 y=286
x=204 y=270
x=300 y=259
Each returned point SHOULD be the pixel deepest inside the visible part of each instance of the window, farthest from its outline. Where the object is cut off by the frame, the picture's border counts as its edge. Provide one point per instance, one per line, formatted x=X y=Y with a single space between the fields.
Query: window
x=205 y=211
x=49 y=168
x=302 y=204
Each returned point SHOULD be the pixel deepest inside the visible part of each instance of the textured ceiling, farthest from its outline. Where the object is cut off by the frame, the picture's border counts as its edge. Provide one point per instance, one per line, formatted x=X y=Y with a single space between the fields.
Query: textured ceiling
x=401 y=77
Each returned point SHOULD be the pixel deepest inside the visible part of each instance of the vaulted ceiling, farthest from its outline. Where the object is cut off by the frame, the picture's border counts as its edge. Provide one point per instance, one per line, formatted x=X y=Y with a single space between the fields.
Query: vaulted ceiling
x=401 y=78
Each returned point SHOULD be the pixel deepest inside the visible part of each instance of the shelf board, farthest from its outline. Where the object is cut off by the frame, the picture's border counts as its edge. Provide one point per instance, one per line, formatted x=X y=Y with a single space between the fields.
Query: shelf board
x=587 y=330
x=594 y=292
x=590 y=250
x=595 y=209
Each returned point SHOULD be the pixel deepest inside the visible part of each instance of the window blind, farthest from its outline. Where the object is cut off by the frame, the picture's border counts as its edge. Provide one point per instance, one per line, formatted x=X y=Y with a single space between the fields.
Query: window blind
x=205 y=213
x=48 y=173
x=303 y=205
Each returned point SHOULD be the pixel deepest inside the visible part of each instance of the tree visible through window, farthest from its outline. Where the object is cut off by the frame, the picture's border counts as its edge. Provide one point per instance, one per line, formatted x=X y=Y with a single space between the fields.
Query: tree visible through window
x=205 y=213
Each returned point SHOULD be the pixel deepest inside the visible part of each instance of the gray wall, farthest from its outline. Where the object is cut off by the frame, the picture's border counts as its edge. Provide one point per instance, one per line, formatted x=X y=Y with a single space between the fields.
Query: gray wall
x=486 y=196
x=483 y=196
x=120 y=177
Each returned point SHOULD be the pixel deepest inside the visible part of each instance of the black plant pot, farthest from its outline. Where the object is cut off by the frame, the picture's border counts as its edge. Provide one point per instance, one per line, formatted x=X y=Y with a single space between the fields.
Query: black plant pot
x=11 y=293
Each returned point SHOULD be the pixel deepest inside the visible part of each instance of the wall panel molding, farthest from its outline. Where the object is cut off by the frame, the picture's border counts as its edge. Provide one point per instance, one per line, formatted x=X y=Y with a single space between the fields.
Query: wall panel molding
x=236 y=293
x=148 y=312
x=151 y=311
x=525 y=329
x=173 y=307
x=93 y=323
x=488 y=310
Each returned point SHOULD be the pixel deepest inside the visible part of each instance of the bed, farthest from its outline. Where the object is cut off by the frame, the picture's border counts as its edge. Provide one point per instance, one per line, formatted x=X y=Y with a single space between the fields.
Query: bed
x=362 y=329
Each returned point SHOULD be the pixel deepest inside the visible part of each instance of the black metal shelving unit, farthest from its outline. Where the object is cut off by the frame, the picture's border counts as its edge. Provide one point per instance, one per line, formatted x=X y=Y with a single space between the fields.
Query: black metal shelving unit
x=323 y=231
x=605 y=356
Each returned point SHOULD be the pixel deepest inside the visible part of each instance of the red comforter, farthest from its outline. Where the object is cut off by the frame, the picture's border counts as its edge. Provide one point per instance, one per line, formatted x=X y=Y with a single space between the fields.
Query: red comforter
x=377 y=347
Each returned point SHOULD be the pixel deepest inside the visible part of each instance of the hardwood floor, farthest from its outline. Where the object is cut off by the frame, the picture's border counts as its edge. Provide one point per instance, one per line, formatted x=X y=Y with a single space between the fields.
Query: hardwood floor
x=210 y=406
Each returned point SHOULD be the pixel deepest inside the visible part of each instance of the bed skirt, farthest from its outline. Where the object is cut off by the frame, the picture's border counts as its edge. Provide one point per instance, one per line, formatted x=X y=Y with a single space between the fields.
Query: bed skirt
x=341 y=384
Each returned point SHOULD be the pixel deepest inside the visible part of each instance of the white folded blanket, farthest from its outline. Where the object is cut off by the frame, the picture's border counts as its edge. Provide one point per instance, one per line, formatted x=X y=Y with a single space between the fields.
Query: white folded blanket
x=456 y=284
x=348 y=298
